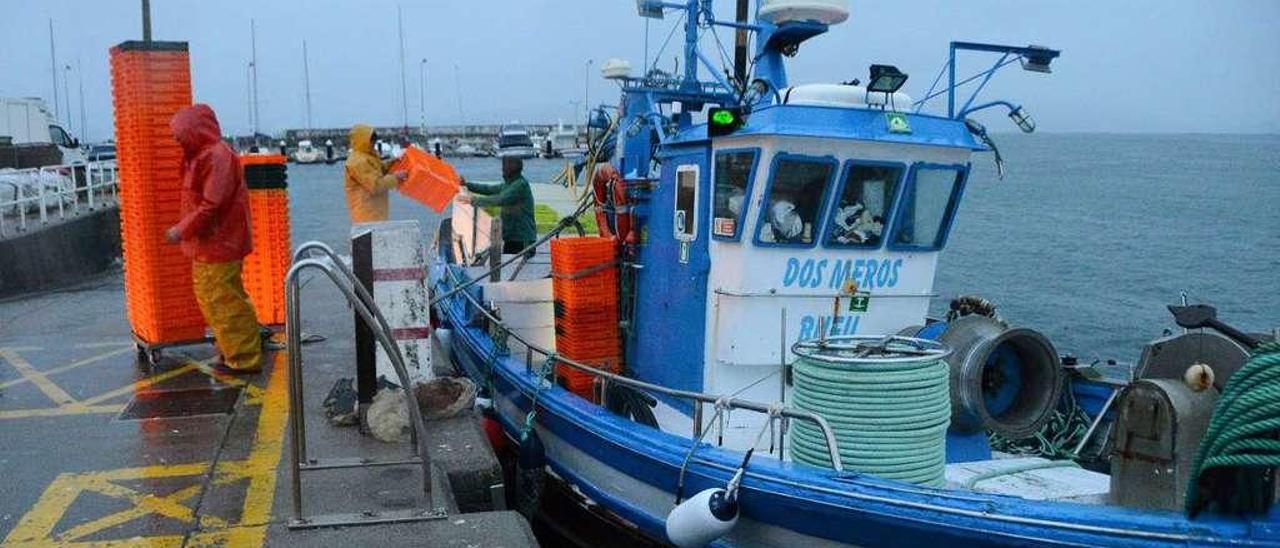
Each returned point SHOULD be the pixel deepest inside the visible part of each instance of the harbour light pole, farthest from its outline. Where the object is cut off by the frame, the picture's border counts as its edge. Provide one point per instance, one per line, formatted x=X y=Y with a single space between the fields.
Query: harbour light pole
x=586 y=90
x=84 y=124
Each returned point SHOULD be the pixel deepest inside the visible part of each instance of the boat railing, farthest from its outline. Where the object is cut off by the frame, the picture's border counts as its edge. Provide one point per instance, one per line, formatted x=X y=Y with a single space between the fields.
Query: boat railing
x=699 y=398
x=54 y=193
x=367 y=310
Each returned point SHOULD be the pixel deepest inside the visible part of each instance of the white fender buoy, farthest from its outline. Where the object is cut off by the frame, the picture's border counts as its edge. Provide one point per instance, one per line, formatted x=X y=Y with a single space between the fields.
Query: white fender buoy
x=702 y=519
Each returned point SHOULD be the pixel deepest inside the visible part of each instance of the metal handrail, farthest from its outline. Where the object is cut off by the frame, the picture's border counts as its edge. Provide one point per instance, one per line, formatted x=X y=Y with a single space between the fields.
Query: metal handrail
x=362 y=292
x=41 y=199
x=700 y=397
x=293 y=330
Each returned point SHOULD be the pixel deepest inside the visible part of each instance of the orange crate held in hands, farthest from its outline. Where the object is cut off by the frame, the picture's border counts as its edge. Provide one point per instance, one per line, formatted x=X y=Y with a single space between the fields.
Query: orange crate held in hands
x=432 y=181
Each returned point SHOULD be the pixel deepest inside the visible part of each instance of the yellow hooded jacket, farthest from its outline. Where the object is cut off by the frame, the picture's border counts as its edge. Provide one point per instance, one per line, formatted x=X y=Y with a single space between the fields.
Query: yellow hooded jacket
x=367 y=180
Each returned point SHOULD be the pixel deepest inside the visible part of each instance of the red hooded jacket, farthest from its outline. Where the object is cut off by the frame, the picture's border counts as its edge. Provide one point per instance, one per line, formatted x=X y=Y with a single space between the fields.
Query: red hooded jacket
x=215 y=201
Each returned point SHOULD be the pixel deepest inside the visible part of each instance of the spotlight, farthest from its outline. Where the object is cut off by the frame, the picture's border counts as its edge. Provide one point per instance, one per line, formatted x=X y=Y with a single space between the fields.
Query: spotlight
x=886 y=79
x=1037 y=59
x=1023 y=120
x=649 y=8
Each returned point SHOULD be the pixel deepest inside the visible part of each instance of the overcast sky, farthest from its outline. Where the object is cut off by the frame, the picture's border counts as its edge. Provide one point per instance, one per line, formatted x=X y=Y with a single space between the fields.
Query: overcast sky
x=1127 y=66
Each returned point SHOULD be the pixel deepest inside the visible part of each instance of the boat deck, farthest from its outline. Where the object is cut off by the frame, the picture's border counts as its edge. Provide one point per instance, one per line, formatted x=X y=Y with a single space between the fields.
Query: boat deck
x=83 y=465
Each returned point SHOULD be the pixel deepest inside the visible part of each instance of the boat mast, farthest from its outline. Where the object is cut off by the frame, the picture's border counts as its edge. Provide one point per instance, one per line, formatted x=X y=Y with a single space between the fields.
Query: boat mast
x=306 y=82
x=740 y=46
x=53 y=69
x=253 y=76
x=691 y=45
x=404 y=87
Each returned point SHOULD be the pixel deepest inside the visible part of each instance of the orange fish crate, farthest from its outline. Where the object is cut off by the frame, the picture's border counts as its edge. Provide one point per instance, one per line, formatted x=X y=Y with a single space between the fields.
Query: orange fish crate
x=150 y=82
x=265 y=268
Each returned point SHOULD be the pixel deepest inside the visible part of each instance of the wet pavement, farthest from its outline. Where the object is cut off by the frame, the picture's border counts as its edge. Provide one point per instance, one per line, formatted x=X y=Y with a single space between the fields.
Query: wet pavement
x=205 y=469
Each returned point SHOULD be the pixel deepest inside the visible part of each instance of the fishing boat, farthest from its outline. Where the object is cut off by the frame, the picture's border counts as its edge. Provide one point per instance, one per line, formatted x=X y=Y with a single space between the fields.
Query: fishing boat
x=744 y=357
x=307 y=153
x=514 y=141
x=563 y=142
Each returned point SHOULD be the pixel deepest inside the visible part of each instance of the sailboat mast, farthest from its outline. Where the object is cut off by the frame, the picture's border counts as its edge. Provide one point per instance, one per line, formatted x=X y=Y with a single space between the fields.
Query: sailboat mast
x=53 y=69
x=306 y=81
x=404 y=86
x=253 y=75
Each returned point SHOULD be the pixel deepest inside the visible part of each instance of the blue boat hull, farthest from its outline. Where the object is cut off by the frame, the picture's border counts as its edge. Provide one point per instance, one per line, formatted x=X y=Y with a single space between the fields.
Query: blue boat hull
x=631 y=470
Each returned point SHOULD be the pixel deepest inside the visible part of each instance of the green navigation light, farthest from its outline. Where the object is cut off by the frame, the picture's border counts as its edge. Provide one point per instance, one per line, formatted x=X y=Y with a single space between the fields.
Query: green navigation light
x=724 y=120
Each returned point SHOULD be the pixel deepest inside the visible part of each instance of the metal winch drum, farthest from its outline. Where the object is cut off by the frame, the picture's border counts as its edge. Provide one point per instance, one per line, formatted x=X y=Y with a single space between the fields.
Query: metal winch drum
x=1003 y=380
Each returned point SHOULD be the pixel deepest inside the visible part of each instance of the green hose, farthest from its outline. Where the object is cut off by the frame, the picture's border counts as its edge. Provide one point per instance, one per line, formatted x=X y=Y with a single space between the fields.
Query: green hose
x=1242 y=435
x=889 y=413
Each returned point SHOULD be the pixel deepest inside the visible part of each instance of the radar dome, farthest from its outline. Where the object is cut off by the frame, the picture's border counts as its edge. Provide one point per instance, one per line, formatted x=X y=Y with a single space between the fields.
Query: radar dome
x=827 y=12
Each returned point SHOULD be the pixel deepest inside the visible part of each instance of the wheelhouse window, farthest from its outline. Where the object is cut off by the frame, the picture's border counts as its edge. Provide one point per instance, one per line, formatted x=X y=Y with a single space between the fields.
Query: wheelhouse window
x=797 y=191
x=928 y=205
x=686 y=220
x=863 y=205
x=734 y=171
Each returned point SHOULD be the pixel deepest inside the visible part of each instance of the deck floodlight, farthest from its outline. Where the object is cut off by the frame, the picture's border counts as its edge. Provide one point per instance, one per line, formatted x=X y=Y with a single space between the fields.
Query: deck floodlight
x=1037 y=59
x=1023 y=120
x=886 y=79
x=651 y=9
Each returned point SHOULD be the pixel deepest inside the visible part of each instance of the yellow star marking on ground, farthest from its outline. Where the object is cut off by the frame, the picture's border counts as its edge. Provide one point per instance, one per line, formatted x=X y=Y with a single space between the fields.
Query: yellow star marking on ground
x=37 y=527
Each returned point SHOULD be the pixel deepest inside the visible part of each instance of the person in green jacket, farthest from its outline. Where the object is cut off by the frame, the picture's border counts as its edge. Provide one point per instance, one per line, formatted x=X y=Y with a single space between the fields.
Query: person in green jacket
x=516 y=200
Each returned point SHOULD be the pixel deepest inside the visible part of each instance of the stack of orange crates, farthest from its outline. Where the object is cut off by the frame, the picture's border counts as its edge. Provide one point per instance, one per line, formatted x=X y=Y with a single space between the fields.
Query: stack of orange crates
x=150 y=82
x=265 y=268
x=585 y=285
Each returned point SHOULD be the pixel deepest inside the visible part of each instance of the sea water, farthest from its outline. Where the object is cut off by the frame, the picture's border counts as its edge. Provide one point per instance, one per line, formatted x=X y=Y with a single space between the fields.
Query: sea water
x=1086 y=239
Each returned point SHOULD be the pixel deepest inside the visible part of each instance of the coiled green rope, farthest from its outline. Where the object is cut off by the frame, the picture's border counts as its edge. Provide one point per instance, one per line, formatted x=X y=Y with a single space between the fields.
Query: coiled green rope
x=1241 y=434
x=889 y=417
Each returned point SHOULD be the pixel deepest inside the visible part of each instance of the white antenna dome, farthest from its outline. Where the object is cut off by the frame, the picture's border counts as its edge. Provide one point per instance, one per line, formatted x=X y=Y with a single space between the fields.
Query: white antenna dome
x=827 y=12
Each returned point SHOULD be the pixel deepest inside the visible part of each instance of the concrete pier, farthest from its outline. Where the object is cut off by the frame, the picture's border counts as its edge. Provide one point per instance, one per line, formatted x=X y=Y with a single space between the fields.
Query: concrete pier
x=101 y=449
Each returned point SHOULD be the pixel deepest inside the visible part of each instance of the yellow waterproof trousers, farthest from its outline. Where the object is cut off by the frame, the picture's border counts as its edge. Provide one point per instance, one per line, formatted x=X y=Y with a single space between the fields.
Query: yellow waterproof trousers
x=227 y=310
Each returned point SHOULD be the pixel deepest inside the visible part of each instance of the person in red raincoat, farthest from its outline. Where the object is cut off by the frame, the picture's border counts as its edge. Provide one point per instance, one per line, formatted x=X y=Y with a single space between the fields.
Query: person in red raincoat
x=214 y=233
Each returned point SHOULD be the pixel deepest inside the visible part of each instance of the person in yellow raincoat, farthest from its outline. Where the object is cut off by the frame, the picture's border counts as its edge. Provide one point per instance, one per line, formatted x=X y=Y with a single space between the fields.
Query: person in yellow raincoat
x=367 y=181
x=214 y=233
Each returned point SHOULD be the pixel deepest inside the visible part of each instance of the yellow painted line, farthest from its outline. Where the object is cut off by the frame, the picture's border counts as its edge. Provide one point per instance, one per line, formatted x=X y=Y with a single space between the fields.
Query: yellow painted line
x=169 y=506
x=61 y=411
x=140 y=384
x=253 y=394
x=38 y=524
x=259 y=468
x=166 y=541
x=265 y=455
x=58 y=395
x=124 y=344
x=70 y=366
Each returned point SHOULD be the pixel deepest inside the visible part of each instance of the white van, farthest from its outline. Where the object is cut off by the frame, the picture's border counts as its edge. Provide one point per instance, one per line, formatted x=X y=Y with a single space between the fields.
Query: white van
x=26 y=121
